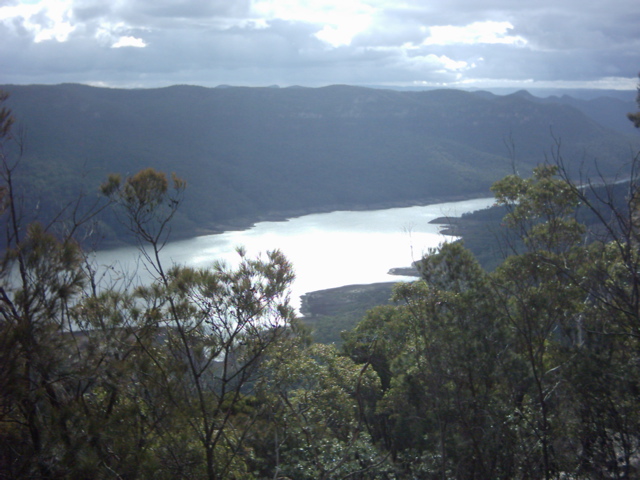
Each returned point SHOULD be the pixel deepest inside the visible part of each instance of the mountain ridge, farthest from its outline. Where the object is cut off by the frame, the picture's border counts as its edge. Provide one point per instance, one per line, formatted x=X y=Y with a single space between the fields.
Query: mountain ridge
x=249 y=153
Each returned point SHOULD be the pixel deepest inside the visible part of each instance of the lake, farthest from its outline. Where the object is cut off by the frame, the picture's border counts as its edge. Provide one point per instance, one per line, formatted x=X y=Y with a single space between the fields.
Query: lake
x=327 y=249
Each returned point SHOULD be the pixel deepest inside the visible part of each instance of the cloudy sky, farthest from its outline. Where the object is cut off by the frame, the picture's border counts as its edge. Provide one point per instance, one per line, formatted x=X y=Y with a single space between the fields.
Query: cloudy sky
x=457 y=43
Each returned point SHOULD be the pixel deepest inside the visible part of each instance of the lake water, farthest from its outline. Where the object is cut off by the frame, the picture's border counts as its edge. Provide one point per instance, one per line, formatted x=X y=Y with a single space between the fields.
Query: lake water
x=327 y=249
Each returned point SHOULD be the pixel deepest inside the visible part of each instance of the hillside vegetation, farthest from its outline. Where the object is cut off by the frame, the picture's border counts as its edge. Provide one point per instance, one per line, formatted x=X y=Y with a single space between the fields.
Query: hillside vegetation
x=526 y=372
x=250 y=153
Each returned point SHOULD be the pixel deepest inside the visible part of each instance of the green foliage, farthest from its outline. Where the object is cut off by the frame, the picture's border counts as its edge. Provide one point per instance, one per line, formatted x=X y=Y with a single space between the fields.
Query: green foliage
x=330 y=313
x=541 y=209
x=526 y=372
x=104 y=380
x=317 y=400
x=446 y=376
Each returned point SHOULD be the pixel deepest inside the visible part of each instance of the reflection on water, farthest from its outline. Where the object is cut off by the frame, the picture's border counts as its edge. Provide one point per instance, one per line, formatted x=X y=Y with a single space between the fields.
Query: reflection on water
x=327 y=249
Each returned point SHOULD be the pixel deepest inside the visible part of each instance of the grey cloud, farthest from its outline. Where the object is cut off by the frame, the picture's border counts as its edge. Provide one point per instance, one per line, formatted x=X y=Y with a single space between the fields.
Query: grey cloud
x=167 y=12
x=212 y=42
x=563 y=32
x=87 y=10
x=282 y=44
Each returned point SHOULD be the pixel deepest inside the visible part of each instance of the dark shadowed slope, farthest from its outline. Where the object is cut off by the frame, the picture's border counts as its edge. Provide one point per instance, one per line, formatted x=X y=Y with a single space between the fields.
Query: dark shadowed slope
x=250 y=153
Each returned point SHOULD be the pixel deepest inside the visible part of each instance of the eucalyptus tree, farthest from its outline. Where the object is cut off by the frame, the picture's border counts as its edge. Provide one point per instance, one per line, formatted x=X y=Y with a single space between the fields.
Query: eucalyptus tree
x=53 y=369
x=215 y=326
x=526 y=372
x=110 y=381
x=539 y=303
x=317 y=404
x=571 y=297
x=443 y=356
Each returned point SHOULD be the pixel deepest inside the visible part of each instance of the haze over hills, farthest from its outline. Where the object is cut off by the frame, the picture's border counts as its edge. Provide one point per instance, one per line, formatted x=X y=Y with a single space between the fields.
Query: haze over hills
x=250 y=153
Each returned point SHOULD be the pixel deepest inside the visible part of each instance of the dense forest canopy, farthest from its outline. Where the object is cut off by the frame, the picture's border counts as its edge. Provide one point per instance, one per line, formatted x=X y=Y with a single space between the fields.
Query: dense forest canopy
x=527 y=372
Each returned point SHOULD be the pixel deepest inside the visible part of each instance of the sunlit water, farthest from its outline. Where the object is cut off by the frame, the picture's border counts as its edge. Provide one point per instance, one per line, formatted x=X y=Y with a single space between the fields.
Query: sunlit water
x=327 y=249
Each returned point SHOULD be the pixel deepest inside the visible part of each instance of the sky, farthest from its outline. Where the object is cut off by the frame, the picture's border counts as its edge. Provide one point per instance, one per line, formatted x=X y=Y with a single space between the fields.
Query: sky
x=415 y=43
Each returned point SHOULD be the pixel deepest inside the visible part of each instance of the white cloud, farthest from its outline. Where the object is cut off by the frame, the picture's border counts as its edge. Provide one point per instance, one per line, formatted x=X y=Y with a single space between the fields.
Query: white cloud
x=342 y=32
x=608 y=83
x=129 y=41
x=437 y=63
x=425 y=64
x=448 y=63
x=489 y=32
x=340 y=20
x=252 y=23
x=44 y=20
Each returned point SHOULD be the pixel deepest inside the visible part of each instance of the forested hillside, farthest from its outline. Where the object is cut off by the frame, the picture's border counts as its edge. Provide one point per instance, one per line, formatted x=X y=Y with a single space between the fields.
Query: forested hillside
x=249 y=153
x=527 y=372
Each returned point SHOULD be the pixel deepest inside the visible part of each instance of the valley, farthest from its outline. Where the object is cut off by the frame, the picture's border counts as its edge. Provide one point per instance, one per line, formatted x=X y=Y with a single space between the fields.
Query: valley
x=250 y=154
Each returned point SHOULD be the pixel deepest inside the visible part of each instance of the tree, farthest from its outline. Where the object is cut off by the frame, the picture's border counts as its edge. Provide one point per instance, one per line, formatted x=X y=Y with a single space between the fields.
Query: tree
x=317 y=401
x=105 y=380
x=40 y=276
x=571 y=297
x=635 y=117
x=217 y=325
x=441 y=353
x=526 y=372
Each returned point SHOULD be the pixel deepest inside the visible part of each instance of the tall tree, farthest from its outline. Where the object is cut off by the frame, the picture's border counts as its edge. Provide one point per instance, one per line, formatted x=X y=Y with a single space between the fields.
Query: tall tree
x=47 y=369
x=317 y=401
x=108 y=381
x=217 y=325
x=444 y=372
x=635 y=117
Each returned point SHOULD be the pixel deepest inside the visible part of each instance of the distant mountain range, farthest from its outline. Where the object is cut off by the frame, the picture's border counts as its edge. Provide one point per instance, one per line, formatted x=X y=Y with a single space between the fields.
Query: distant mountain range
x=252 y=153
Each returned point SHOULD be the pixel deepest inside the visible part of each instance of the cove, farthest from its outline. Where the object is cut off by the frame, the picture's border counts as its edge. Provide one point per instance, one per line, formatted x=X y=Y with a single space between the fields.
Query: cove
x=327 y=249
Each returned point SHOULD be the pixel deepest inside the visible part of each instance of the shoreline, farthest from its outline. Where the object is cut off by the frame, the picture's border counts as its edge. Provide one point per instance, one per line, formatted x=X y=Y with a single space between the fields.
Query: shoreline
x=248 y=222
x=245 y=223
x=315 y=304
x=347 y=295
